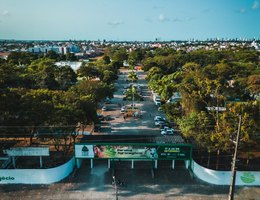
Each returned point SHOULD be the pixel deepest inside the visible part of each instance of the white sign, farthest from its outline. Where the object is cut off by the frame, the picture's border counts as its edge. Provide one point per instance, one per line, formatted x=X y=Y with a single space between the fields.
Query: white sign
x=84 y=151
x=27 y=151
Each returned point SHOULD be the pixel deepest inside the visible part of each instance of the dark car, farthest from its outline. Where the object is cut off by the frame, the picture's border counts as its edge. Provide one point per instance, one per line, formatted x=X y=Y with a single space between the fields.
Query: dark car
x=100 y=117
x=97 y=128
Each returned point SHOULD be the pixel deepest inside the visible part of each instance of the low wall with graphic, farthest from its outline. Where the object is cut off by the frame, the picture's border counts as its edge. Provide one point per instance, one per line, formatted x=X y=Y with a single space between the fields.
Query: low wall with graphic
x=224 y=177
x=36 y=176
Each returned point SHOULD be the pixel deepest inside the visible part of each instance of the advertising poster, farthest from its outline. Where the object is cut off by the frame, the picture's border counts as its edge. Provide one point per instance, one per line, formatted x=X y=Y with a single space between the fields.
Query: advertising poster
x=84 y=151
x=168 y=152
x=130 y=152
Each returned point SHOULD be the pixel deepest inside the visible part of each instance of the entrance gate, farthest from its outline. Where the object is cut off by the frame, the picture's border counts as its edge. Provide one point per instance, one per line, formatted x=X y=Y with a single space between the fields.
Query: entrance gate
x=119 y=150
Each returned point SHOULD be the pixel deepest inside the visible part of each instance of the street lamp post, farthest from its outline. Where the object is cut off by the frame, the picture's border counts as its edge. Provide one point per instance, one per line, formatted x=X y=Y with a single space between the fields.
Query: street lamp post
x=114 y=181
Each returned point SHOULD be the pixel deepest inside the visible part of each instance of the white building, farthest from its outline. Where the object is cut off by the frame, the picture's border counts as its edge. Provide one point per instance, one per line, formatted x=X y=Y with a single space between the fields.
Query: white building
x=74 y=65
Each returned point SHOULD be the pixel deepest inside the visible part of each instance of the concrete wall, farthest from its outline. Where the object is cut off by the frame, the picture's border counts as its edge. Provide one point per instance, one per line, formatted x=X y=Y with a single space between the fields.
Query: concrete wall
x=224 y=177
x=36 y=176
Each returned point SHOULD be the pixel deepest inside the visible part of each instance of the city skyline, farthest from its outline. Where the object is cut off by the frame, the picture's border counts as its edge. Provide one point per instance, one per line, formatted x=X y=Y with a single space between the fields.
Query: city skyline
x=143 y=20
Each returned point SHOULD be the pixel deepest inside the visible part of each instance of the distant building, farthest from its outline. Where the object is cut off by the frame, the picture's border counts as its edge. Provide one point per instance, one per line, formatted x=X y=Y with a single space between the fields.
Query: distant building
x=74 y=65
x=43 y=49
x=4 y=55
x=57 y=49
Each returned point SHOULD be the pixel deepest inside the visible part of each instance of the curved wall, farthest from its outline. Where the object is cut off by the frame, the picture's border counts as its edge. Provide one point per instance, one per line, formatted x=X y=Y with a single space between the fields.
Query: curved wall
x=36 y=176
x=224 y=177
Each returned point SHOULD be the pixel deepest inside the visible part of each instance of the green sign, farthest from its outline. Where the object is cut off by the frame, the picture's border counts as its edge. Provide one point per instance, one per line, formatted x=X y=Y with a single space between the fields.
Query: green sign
x=171 y=152
x=248 y=177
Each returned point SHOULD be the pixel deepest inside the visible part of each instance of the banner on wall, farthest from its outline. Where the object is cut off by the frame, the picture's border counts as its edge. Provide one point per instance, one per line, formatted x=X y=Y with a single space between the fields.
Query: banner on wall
x=132 y=152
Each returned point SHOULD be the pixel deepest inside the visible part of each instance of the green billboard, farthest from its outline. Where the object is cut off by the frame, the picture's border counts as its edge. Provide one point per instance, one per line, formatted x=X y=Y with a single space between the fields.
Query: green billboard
x=171 y=152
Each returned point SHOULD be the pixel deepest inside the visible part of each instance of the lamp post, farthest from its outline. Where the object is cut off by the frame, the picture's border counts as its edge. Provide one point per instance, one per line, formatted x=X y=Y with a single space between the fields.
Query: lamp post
x=114 y=181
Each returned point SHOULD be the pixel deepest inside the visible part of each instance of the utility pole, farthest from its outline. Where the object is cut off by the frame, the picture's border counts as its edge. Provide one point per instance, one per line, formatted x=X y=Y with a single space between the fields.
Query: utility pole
x=233 y=178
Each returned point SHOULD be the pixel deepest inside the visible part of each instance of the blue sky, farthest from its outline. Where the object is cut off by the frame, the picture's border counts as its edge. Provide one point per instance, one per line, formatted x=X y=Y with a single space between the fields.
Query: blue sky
x=129 y=19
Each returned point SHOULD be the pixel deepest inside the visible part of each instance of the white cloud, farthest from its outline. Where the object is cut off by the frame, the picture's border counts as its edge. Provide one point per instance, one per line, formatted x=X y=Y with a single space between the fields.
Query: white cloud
x=162 y=18
x=115 y=23
x=255 y=5
x=5 y=13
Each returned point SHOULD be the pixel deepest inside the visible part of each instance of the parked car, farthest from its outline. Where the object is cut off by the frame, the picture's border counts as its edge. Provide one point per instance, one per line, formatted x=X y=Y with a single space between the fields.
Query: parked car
x=100 y=116
x=157 y=103
x=123 y=109
x=159 y=122
x=165 y=124
x=169 y=131
x=97 y=128
x=158 y=117
x=165 y=128
x=108 y=101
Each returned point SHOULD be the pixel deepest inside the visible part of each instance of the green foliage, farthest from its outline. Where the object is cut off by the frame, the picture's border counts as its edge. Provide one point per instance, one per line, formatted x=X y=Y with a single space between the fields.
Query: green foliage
x=207 y=79
x=88 y=71
x=106 y=59
x=132 y=76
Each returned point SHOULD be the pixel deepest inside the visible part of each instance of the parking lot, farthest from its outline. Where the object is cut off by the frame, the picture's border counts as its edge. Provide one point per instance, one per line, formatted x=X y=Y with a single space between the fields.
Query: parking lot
x=117 y=123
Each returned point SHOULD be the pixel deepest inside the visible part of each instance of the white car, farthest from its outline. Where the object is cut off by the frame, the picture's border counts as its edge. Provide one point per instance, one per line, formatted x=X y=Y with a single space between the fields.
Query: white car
x=165 y=128
x=104 y=108
x=158 y=103
x=159 y=122
x=123 y=109
x=158 y=118
x=169 y=131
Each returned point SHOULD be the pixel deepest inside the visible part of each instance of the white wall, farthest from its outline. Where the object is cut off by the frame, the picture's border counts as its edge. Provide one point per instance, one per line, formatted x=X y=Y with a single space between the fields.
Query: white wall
x=224 y=177
x=36 y=176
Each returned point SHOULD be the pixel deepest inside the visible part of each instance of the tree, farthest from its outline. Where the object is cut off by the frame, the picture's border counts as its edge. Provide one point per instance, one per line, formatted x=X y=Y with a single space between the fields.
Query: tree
x=119 y=55
x=43 y=73
x=132 y=76
x=71 y=57
x=108 y=76
x=106 y=59
x=65 y=77
x=88 y=71
x=52 y=55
